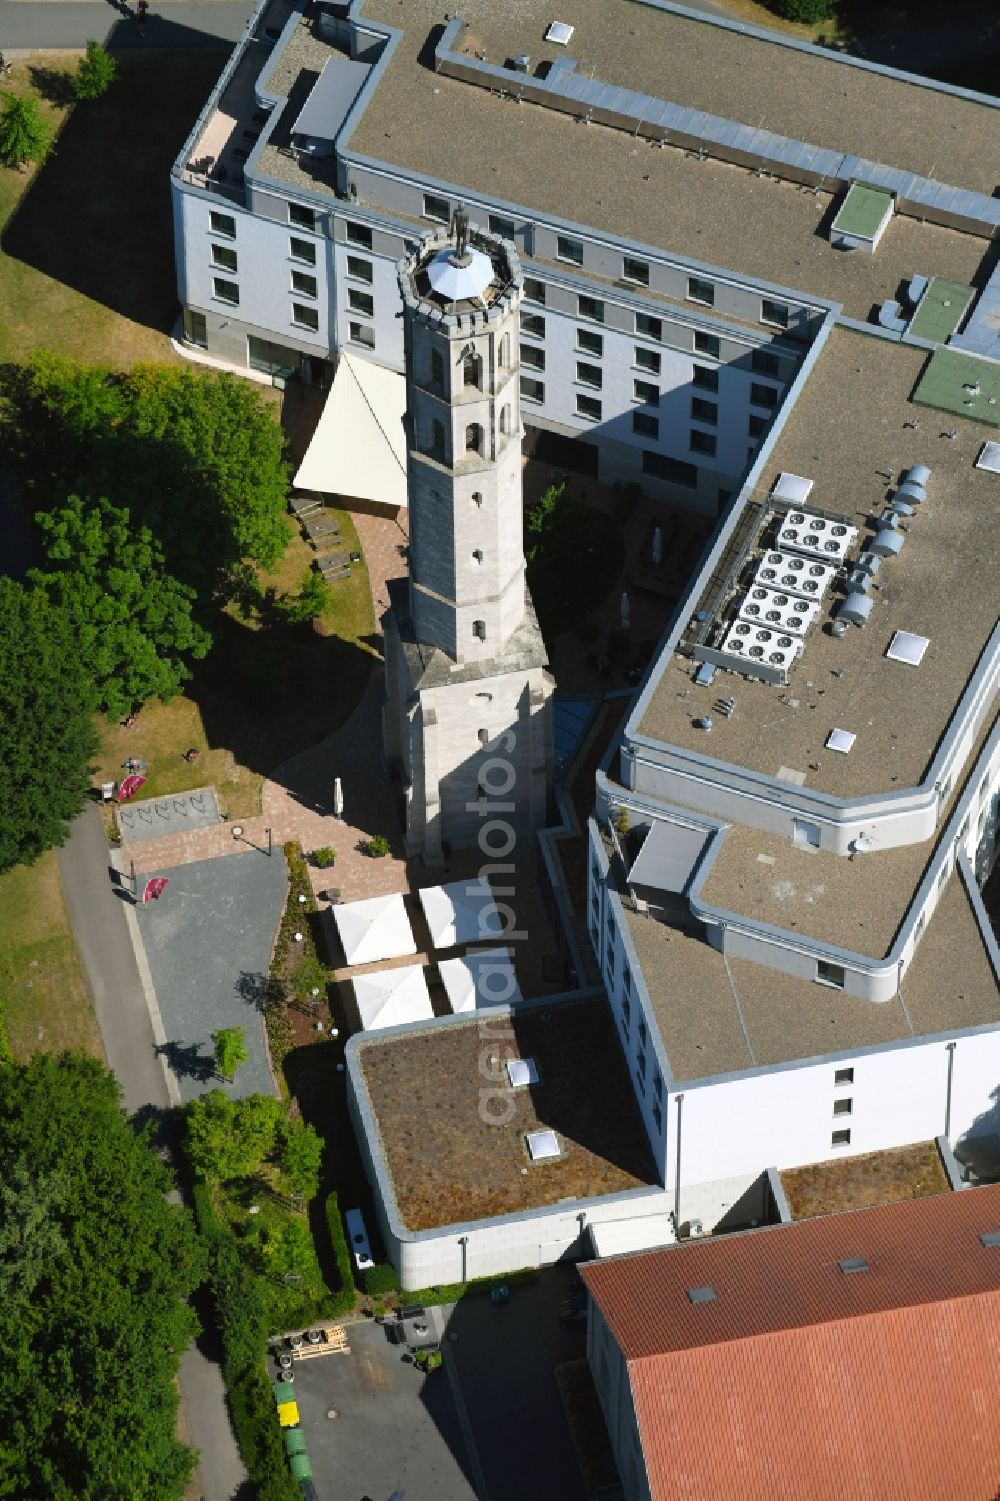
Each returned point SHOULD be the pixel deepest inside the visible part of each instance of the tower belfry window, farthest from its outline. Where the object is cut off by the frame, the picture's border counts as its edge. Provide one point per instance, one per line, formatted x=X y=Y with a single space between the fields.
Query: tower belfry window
x=471 y=371
x=437 y=439
x=479 y=629
x=505 y=420
x=437 y=369
x=473 y=438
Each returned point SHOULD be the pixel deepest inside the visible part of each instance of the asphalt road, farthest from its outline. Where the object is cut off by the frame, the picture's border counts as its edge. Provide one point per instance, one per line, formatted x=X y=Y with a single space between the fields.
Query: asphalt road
x=99 y=920
x=27 y=25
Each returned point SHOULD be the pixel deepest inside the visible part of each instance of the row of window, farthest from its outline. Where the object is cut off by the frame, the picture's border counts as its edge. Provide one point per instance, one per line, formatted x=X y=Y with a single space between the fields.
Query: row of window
x=305 y=218
x=762 y=361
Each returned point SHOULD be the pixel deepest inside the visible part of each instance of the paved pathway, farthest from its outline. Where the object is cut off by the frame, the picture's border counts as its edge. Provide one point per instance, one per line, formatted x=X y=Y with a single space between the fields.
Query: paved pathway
x=100 y=921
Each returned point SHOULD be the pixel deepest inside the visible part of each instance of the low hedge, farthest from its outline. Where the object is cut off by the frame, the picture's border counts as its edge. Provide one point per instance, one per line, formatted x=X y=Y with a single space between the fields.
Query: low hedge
x=381 y=1280
x=346 y=1296
x=451 y=1292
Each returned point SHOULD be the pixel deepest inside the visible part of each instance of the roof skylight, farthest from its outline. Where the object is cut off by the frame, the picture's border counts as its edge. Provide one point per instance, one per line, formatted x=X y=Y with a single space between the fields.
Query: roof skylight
x=521 y=1072
x=542 y=1145
x=905 y=647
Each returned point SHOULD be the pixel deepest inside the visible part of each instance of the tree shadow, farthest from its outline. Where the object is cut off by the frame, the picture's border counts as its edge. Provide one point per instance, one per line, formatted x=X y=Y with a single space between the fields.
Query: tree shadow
x=54 y=84
x=159 y=1125
x=187 y=1061
x=978 y=1151
x=254 y=988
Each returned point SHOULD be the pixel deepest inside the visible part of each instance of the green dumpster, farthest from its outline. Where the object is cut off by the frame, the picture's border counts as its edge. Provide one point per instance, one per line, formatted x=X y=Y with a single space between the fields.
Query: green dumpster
x=295 y=1441
x=300 y=1467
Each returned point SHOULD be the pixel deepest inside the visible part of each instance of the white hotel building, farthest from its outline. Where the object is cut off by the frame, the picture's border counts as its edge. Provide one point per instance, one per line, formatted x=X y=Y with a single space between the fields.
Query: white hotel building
x=791 y=932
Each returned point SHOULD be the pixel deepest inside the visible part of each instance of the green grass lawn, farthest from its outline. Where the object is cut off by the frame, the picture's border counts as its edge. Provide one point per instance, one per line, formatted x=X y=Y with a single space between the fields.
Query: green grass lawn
x=44 y=991
x=86 y=242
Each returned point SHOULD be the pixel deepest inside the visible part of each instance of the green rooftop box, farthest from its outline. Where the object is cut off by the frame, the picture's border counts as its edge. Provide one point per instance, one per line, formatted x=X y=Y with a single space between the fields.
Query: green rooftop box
x=962 y=385
x=862 y=218
x=941 y=310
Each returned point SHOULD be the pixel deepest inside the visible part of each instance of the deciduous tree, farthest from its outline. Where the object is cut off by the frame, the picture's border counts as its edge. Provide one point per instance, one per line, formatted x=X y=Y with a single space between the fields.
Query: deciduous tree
x=301 y=1156
x=95 y=72
x=24 y=135
x=47 y=736
x=228 y=1139
x=230 y=1050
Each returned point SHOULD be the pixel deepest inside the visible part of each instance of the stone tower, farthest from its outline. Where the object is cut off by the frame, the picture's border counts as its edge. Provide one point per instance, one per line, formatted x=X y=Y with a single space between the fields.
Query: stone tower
x=467 y=686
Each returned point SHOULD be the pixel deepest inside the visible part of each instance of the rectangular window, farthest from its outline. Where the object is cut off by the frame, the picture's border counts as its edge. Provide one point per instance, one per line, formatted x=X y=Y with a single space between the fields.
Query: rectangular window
x=765 y=363
x=704 y=411
x=197 y=328
x=647 y=359
x=589 y=342
x=645 y=425
x=660 y=466
x=774 y=312
x=360 y=333
x=224 y=258
x=437 y=208
x=361 y=302
x=531 y=389
x=643 y=1033
x=533 y=357
x=302 y=250
x=702 y=443
x=658 y=1117
x=590 y=307
x=479 y=629
x=360 y=269
x=637 y=271
x=505 y=228
x=359 y=234
x=756 y=426
x=534 y=290
x=305 y=317
x=589 y=407
x=707 y=344
x=225 y=291
x=841 y=1139
x=646 y=392
x=843 y=1076
x=830 y=974
x=701 y=291
x=302 y=282
x=569 y=250
x=705 y=378
x=626 y=972
x=844 y=1106
x=533 y=324
x=648 y=327
x=589 y=375
x=304 y=217
x=626 y=1016
x=222 y=224
x=763 y=396
x=657 y=1084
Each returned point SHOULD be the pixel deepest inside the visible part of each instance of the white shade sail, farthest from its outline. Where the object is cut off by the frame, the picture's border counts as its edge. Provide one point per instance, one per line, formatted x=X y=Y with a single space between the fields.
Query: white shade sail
x=377 y=928
x=476 y=980
x=392 y=997
x=359 y=446
x=461 y=912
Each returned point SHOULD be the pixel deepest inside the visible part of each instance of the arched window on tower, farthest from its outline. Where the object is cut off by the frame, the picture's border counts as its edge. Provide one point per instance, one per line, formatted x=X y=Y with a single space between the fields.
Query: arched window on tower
x=437 y=370
x=479 y=629
x=472 y=371
x=474 y=438
x=503 y=354
x=505 y=421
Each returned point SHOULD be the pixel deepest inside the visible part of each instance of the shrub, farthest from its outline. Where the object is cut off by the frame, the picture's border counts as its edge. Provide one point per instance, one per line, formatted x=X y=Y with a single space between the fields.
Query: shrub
x=95 y=73
x=807 y=11
x=381 y=1280
x=621 y=822
x=24 y=135
x=345 y=1296
x=324 y=857
x=377 y=846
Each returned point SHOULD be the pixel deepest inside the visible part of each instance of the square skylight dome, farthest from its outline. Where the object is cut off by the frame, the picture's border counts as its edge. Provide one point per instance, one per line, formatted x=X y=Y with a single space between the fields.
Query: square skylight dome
x=521 y=1072
x=542 y=1145
x=792 y=487
x=559 y=32
x=840 y=740
x=989 y=458
x=905 y=647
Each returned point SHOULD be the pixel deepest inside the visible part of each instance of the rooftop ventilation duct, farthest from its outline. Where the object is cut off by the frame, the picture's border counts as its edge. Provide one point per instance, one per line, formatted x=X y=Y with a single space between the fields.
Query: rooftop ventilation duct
x=911 y=491
x=889 y=540
x=917 y=474
x=856 y=608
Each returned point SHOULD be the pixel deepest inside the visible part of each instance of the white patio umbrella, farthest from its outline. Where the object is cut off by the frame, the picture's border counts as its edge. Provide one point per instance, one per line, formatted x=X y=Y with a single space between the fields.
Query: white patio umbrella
x=338 y=799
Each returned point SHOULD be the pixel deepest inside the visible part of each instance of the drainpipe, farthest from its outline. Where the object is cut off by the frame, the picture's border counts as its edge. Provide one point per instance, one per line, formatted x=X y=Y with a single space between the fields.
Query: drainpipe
x=677 y=1170
x=950 y=1048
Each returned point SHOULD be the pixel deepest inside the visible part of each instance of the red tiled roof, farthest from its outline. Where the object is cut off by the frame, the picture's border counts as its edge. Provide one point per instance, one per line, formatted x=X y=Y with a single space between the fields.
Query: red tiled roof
x=800 y=1382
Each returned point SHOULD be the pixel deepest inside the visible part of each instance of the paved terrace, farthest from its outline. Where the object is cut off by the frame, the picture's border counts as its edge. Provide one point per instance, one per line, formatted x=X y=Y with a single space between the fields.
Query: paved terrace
x=448 y=1163
x=849 y=425
x=813 y=98
x=717 y=1016
x=705 y=210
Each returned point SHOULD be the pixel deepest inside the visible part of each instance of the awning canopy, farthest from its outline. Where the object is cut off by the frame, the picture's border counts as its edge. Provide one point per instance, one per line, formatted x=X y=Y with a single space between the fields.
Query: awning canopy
x=375 y=929
x=483 y=978
x=668 y=856
x=359 y=446
x=461 y=912
x=391 y=997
